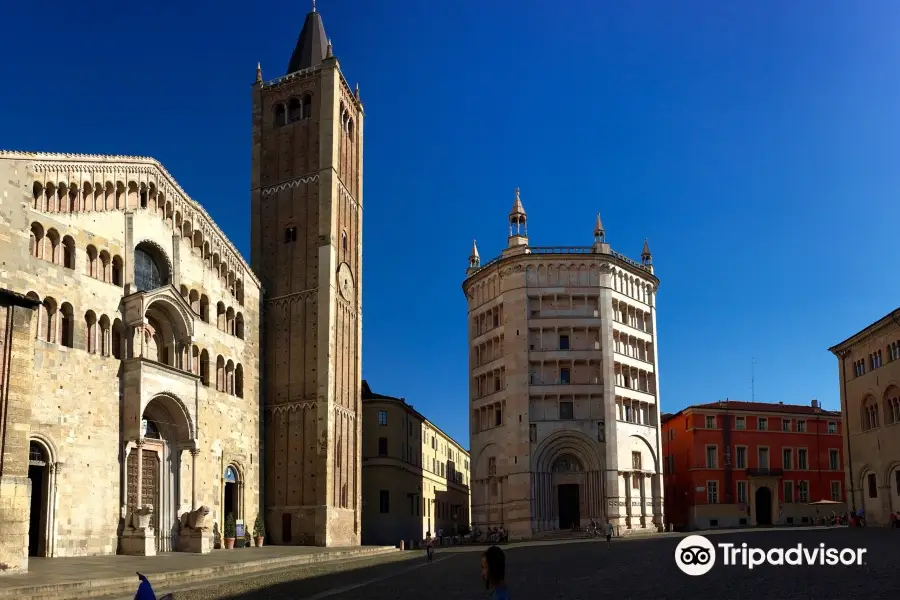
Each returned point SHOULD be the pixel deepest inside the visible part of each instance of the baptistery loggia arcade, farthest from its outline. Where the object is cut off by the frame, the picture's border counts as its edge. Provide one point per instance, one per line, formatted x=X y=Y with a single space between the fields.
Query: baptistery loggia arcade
x=145 y=344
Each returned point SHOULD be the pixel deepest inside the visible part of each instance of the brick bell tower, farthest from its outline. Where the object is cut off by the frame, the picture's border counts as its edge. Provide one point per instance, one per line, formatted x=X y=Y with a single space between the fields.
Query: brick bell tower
x=306 y=246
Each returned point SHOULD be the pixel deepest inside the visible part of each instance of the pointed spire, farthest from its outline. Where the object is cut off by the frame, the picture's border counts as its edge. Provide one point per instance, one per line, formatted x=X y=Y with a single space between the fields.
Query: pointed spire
x=474 y=258
x=646 y=257
x=599 y=232
x=517 y=209
x=329 y=52
x=259 y=78
x=314 y=5
x=356 y=91
x=311 y=45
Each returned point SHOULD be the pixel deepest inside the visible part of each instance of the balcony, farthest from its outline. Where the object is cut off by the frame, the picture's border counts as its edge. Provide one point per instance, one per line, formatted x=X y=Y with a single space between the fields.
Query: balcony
x=634 y=362
x=548 y=353
x=765 y=472
x=567 y=387
x=640 y=396
x=630 y=330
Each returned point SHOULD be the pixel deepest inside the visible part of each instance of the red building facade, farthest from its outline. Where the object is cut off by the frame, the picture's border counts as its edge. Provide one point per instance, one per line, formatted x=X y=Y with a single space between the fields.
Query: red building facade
x=733 y=463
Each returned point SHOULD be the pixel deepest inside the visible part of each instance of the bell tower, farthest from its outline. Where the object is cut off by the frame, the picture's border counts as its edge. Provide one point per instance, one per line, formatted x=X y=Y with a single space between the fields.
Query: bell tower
x=306 y=247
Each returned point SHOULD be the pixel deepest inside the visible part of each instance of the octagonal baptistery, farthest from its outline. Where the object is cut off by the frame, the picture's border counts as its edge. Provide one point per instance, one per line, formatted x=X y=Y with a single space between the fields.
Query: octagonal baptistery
x=564 y=390
x=145 y=343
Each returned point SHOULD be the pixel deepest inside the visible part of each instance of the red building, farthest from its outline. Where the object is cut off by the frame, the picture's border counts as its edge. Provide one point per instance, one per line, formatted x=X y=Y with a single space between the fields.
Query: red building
x=732 y=463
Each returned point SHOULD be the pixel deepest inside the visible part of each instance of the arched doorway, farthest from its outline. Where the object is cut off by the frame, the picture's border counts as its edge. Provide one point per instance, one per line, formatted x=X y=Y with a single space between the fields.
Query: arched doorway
x=894 y=485
x=568 y=494
x=39 y=474
x=232 y=500
x=763 y=506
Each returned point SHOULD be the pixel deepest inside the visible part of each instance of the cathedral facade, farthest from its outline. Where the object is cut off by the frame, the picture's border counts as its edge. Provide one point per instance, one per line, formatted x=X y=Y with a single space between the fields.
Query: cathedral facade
x=129 y=411
x=306 y=246
x=564 y=387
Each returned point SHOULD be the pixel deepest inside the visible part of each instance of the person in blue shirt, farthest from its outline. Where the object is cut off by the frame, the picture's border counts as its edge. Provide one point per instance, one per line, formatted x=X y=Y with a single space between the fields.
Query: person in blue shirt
x=493 y=571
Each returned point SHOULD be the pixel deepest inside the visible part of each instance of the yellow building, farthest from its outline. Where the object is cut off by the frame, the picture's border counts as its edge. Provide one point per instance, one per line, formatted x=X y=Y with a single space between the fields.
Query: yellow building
x=869 y=375
x=415 y=477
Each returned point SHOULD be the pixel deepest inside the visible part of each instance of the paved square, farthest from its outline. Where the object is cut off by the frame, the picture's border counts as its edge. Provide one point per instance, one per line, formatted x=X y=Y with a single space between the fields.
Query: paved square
x=638 y=568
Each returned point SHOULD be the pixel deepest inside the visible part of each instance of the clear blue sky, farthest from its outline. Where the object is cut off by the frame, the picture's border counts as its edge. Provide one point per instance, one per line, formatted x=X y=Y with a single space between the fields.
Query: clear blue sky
x=755 y=144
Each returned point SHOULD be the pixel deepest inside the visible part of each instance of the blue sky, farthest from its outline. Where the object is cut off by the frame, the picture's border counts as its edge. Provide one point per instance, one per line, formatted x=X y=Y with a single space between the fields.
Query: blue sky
x=754 y=144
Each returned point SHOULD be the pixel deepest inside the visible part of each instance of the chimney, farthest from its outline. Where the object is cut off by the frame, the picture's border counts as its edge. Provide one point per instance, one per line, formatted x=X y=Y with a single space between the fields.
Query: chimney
x=782 y=403
x=814 y=403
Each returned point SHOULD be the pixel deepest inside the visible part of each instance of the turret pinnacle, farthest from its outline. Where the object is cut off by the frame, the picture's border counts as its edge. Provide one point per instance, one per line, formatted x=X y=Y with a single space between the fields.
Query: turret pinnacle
x=474 y=258
x=517 y=209
x=599 y=232
x=518 y=230
x=311 y=47
x=259 y=78
x=646 y=257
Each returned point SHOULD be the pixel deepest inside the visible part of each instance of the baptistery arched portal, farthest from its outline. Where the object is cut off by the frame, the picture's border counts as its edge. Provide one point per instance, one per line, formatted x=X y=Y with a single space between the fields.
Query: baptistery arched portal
x=166 y=432
x=567 y=483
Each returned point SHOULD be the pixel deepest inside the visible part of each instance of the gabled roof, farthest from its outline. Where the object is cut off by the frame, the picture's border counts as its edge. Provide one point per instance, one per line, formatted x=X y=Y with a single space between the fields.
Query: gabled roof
x=312 y=44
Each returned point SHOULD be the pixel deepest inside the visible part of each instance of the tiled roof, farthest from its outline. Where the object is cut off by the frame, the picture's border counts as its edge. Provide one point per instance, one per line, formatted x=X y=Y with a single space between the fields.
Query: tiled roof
x=740 y=405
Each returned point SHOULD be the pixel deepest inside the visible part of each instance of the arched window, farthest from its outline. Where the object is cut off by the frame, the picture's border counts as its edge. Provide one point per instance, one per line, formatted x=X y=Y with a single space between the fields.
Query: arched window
x=229 y=377
x=90 y=262
x=306 y=110
x=149 y=429
x=51 y=252
x=90 y=322
x=870 y=414
x=68 y=255
x=344 y=241
x=105 y=267
x=220 y=374
x=117 y=271
x=239 y=325
x=116 y=339
x=204 y=368
x=36 y=241
x=220 y=316
x=49 y=317
x=229 y=321
x=239 y=381
x=66 y=329
x=204 y=308
x=279 y=116
x=149 y=273
x=295 y=112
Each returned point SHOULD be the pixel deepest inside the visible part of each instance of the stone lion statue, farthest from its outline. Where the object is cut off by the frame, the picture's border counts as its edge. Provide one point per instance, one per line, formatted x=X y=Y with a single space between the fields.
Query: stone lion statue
x=195 y=519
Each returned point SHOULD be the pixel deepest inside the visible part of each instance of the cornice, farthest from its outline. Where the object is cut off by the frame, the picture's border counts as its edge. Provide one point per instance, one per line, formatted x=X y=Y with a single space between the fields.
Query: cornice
x=892 y=319
x=100 y=163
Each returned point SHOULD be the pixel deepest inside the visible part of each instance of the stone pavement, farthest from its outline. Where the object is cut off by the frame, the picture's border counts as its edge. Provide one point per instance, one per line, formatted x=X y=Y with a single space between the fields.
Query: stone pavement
x=632 y=568
x=96 y=576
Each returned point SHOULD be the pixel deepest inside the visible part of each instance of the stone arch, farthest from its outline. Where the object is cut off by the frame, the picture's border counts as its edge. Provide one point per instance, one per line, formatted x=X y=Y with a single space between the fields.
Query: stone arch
x=169 y=410
x=42 y=460
x=168 y=311
x=869 y=417
x=892 y=478
x=890 y=400
x=575 y=443
x=160 y=258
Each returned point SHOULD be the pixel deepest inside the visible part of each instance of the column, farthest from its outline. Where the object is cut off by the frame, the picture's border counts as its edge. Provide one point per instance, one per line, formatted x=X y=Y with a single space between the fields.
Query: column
x=626 y=477
x=139 y=448
x=194 y=453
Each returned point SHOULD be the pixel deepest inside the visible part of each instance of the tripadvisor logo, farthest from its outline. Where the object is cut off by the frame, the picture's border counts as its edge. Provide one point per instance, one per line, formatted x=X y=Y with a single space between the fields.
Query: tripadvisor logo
x=696 y=555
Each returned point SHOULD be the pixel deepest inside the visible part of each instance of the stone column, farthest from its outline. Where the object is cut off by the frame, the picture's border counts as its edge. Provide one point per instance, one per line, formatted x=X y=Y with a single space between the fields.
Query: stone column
x=194 y=453
x=139 y=498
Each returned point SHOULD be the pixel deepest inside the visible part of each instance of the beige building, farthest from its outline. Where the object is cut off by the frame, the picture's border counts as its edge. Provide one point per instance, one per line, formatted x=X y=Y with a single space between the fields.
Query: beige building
x=564 y=386
x=869 y=376
x=306 y=245
x=415 y=476
x=143 y=342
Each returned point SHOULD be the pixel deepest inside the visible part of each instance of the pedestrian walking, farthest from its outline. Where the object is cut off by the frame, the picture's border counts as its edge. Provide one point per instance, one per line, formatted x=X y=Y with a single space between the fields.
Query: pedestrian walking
x=608 y=530
x=429 y=546
x=493 y=572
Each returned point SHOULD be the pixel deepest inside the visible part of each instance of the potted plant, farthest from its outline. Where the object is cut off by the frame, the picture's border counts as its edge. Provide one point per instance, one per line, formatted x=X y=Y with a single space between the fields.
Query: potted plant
x=259 y=531
x=230 y=531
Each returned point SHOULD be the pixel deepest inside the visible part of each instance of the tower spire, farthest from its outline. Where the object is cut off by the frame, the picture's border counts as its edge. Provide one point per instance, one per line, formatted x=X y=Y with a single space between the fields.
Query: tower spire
x=259 y=73
x=599 y=232
x=474 y=258
x=314 y=5
x=646 y=256
x=312 y=44
x=518 y=228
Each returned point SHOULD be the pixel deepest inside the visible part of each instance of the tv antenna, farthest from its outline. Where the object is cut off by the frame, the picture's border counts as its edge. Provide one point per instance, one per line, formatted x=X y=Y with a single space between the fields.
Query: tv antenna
x=753 y=380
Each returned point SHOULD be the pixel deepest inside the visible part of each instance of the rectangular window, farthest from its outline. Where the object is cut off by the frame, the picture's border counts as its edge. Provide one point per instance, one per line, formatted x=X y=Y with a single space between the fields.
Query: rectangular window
x=290 y=235
x=382 y=446
x=740 y=422
x=498 y=416
x=740 y=457
x=787 y=459
x=410 y=428
x=802 y=462
x=635 y=481
x=833 y=459
x=873 y=487
x=763 y=423
x=710 y=422
x=788 y=492
x=803 y=491
x=711 y=457
x=566 y=410
x=492 y=465
x=384 y=501
x=382 y=418
x=801 y=426
x=742 y=492
x=563 y=342
x=636 y=461
x=763 y=458
x=832 y=427
x=786 y=424
x=532 y=432
x=835 y=491
x=564 y=375
x=712 y=492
